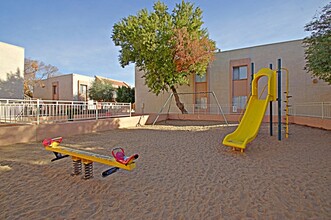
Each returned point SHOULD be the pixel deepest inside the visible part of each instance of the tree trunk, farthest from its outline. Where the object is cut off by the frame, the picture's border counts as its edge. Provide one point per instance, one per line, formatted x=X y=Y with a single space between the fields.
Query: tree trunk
x=178 y=103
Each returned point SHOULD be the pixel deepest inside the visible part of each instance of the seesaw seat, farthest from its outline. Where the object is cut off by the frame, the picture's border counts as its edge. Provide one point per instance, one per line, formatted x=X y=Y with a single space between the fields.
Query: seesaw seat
x=120 y=156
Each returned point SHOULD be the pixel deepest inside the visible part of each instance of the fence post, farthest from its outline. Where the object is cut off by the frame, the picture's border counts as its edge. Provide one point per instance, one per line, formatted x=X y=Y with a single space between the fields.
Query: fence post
x=71 y=112
x=57 y=112
x=38 y=120
x=130 y=109
x=96 y=110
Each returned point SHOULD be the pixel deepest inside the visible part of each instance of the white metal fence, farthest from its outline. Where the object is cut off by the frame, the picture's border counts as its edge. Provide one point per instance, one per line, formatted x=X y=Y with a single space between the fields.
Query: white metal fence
x=313 y=109
x=51 y=111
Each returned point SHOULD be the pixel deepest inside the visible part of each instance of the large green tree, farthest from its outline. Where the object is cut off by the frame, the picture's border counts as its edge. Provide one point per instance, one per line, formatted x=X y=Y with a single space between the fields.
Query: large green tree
x=167 y=47
x=101 y=91
x=125 y=94
x=318 y=45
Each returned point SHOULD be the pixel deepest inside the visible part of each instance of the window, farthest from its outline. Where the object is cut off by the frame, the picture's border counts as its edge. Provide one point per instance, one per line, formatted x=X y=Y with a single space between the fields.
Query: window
x=239 y=72
x=200 y=78
x=201 y=103
x=82 y=92
x=83 y=89
x=114 y=95
x=239 y=102
x=54 y=90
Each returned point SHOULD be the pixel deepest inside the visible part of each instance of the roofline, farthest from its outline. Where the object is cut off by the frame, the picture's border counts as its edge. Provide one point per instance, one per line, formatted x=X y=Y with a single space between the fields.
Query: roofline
x=109 y=79
x=263 y=45
x=12 y=45
x=67 y=74
x=113 y=80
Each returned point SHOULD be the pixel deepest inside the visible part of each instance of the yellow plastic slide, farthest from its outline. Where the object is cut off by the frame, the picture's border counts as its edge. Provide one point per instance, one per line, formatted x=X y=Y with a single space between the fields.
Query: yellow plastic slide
x=254 y=114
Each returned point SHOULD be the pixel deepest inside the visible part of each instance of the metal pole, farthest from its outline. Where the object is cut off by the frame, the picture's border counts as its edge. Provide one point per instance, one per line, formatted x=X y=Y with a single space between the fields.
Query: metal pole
x=279 y=72
x=252 y=74
x=220 y=108
x=270 y=110
x=96 y=111
x=158 y=115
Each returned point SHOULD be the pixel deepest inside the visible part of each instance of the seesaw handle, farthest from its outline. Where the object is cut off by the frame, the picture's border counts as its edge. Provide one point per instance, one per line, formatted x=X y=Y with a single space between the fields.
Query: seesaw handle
x=109 y=171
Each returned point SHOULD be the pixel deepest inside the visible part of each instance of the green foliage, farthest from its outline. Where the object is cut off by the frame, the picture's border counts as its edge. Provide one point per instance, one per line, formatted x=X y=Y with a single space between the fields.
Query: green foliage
x=125 y=94
x=101 y=91
x=147 y=40
x=318 y=45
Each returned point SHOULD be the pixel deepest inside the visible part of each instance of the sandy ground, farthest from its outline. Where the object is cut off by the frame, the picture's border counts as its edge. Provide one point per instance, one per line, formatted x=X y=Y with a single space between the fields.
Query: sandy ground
x=183 y=172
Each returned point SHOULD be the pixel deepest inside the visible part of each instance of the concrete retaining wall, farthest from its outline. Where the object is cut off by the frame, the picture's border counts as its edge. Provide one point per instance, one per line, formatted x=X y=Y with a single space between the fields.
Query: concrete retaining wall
x=12 y=134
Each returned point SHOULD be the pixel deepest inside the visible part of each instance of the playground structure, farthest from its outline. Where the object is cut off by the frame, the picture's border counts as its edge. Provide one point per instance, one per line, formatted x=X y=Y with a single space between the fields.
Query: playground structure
x=79 y=157
x=249 y=126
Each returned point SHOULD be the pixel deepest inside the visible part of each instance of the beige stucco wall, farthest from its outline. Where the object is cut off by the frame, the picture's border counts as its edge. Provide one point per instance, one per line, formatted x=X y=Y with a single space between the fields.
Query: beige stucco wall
x=44 y=90
x=80 y=79
x=13 y=134
x=11 y=71
x=301 y=86
x=67 y=87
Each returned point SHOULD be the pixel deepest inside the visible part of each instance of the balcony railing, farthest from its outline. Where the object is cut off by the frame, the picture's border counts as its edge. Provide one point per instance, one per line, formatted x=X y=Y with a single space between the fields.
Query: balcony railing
x=52 y=111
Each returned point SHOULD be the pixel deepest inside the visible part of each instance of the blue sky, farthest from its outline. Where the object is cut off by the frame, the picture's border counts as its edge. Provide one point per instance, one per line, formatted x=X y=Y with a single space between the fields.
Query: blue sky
x=74 y=35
